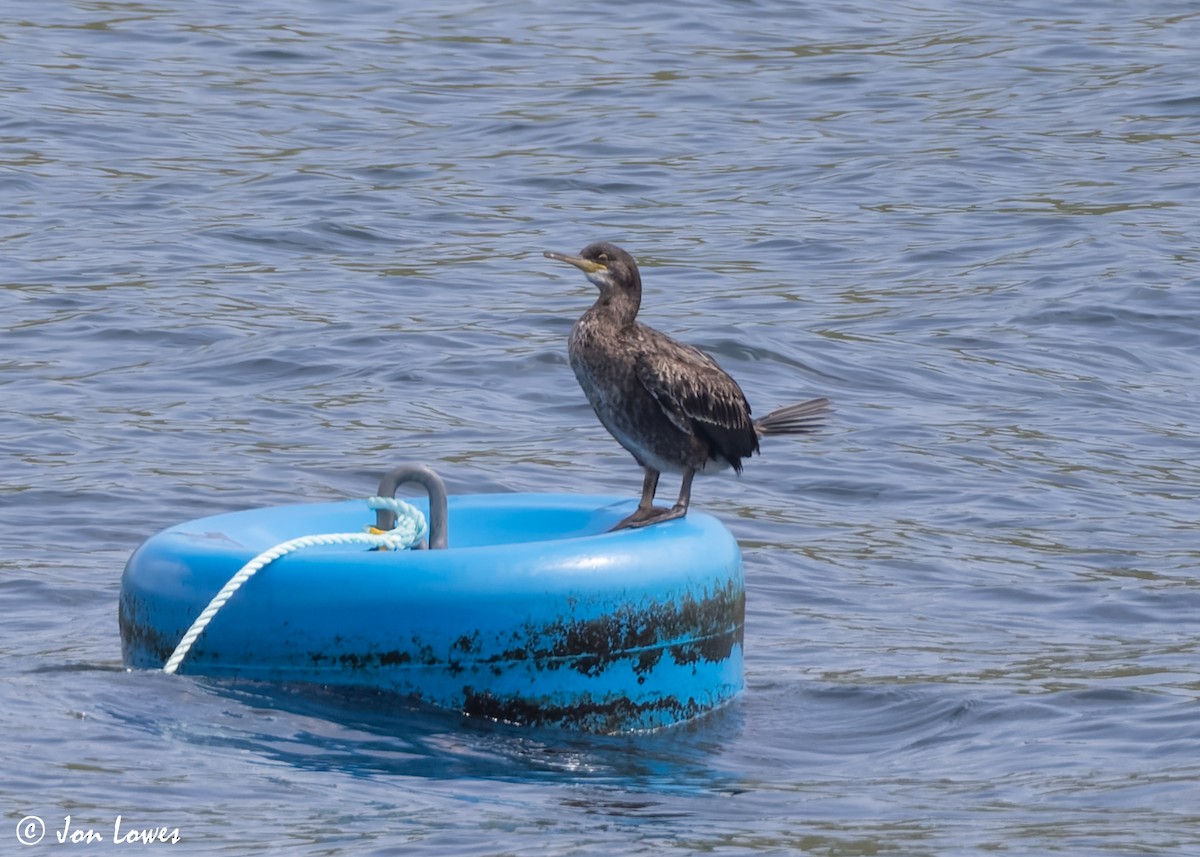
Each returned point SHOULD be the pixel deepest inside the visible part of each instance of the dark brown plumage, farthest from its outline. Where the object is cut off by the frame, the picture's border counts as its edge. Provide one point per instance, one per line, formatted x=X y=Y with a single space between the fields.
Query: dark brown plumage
x=668 y=403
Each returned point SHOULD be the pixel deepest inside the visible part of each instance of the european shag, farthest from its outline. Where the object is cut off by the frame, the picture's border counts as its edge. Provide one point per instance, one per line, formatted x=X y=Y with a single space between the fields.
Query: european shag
x=668 y=403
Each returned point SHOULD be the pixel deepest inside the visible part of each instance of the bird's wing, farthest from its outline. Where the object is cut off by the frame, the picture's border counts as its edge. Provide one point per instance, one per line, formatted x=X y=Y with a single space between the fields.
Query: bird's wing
x=696 y=394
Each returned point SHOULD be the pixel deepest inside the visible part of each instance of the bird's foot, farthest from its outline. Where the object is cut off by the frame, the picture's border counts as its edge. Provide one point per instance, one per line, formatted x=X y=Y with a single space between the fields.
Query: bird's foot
x=644 y=517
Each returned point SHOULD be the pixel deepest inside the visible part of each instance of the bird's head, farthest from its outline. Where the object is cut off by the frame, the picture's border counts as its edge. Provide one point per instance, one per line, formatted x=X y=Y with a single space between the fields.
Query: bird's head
x=608 y=267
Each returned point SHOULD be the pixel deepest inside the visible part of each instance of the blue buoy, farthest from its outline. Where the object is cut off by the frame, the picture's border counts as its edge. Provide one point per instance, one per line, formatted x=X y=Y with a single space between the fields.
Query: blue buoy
x=532 y=613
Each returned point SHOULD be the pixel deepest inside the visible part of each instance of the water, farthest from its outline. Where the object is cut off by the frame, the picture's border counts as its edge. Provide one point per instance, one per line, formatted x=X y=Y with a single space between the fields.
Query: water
x=255 y=253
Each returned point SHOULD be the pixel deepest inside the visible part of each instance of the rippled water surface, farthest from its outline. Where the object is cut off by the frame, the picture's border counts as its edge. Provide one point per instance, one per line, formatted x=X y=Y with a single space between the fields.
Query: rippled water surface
x=257 y=253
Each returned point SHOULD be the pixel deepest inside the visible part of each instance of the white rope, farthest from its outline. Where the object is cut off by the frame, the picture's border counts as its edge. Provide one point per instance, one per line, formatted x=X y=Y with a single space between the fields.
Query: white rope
x=410 y=528
x=410 y=524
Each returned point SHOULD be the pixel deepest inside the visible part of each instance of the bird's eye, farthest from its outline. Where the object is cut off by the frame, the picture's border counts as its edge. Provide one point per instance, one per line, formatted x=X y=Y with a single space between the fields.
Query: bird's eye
x=603 y=257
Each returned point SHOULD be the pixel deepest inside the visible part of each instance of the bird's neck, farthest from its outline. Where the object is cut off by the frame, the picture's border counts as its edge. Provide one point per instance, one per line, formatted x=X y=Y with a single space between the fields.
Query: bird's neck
x=618 y=307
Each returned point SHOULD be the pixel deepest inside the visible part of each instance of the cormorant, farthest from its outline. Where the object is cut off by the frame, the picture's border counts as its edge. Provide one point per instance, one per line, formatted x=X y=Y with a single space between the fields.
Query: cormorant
x=668 y=403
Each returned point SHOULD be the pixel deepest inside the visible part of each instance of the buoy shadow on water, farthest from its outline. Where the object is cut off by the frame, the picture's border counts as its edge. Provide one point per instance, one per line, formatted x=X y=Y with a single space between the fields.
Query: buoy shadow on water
x=362 y=731
x=534 y=614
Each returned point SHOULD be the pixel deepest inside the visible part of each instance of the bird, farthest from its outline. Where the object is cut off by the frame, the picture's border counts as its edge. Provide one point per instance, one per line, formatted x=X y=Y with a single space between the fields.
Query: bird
x=669 y=404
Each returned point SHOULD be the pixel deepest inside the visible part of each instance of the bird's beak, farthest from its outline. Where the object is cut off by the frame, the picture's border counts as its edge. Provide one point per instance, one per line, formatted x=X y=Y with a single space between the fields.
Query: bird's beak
x=585 y=265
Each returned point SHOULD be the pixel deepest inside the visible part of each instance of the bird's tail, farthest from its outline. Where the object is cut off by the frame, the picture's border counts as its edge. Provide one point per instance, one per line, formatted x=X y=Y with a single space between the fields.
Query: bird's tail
x=802 y=418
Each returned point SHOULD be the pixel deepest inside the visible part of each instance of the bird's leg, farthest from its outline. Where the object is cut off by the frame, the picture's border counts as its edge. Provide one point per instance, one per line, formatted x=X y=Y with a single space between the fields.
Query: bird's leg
x=685 y=495
x=681 y=505
x=645 y=511
x=649 y=488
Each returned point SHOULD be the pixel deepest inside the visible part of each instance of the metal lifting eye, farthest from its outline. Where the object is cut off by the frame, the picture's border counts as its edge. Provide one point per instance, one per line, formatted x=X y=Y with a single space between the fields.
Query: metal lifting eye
x=424 y=476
